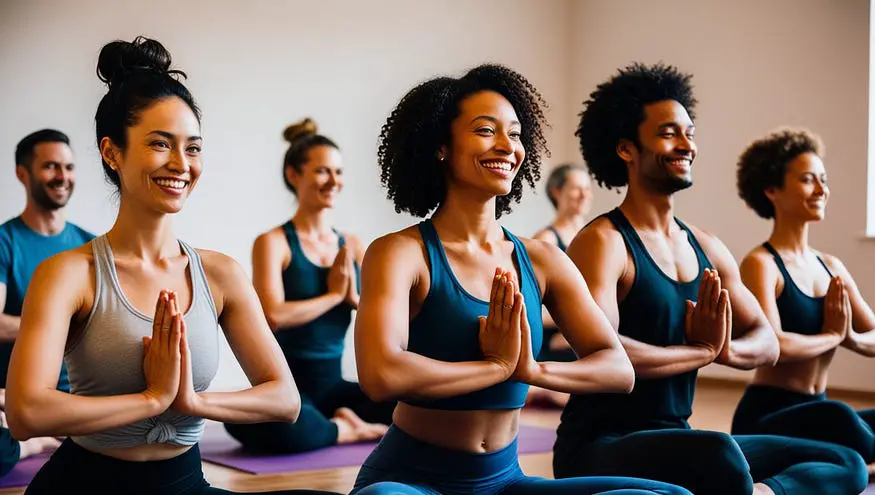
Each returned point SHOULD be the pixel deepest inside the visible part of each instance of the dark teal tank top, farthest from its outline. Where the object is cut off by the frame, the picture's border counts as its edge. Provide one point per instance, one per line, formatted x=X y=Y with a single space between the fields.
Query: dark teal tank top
x=447 y=327
x=559 y=243
x=323 y=337
x=653 y=313
x=799 y=312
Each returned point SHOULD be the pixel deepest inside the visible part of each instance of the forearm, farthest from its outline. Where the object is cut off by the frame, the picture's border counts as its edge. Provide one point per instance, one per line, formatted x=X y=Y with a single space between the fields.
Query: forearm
x=9 y=327
x=758 y=347
x=408 y=375
x=862 y=343
x=266 y=402
x=52 y=413
x=651 y=361
x=604 y=371
x=799 y=347
x=290 y=314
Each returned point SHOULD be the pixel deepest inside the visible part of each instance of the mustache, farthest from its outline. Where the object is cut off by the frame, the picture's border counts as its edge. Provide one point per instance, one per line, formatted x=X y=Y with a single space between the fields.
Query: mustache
x=56 y=183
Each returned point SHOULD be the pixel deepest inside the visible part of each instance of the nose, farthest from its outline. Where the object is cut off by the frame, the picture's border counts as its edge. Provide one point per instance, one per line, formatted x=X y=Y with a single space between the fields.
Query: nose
x=178 y=161
x=686 y=144
x=503 y=143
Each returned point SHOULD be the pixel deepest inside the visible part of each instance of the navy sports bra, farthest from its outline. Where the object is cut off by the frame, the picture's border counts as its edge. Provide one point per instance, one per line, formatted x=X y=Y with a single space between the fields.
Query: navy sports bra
x=799 y=312
x=447 y=326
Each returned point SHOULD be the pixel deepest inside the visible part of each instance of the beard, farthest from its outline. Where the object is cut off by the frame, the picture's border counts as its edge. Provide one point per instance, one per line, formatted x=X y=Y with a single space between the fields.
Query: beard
x=659 y=177
x=41 y=196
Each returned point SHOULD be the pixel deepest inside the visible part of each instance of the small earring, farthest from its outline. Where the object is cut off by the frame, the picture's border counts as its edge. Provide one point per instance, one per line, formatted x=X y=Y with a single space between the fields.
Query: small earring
x=441 y=157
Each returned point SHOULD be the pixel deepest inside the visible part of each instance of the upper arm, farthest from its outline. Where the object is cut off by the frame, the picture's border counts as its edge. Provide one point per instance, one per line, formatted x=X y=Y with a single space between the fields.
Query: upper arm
x=570 y=303
x=357 y=246
x=269 y=255
x=746 y=311
x=599 y=254
x=760 y=275
x=863 y=317
x=382 y=323
x=55 y=295
x=243 y=320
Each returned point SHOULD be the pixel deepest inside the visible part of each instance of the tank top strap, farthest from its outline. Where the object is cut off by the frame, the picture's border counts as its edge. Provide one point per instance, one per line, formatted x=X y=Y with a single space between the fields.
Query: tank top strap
x=704 y=262
x=625 y=228
x=559 y=242
x=292 y=237
x=778 y=261
x=435 y=251
x=199 y=280
x=527 y=271
x=341 y=240
x=823 y=264
x=103 y=270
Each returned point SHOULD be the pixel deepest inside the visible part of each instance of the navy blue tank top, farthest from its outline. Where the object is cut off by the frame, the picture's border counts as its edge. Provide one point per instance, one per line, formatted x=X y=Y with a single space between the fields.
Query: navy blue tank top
x=799 y=312
x=653 y=313
x=559 y=243
x=323 y=337
x=447 y=327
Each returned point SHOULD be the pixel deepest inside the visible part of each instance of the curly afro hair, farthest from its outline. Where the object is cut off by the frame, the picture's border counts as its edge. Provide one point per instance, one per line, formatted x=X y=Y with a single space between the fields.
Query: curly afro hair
x=764 y=163
x=616 y=109
x=417 y=128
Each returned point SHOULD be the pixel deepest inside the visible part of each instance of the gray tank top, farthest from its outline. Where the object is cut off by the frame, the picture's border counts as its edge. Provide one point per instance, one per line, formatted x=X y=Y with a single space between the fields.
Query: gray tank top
x=107 y=356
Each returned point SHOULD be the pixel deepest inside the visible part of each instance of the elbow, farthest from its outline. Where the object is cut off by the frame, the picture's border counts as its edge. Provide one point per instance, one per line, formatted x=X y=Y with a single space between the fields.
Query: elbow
x=773 y=352
x=21 y=422
x=377 y=385
x=625 y=375
x=270 y=316
x=288 y=403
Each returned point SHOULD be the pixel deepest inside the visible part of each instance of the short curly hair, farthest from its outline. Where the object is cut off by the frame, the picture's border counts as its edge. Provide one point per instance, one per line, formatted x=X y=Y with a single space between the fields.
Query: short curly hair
x=764 y=164
x=417 y=128
x=616 y=109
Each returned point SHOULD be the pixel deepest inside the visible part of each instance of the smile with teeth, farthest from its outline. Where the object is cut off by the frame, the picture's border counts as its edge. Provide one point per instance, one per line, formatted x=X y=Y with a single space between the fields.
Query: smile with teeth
x=171 y=183
x=680 y=162
x=498 y=165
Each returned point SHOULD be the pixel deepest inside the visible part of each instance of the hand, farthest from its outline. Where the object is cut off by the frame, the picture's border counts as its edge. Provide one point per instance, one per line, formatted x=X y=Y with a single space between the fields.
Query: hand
x=3 y=399
x=725 y=355
x=352 y=294
x=187 y=400
x=707 y=319
x=837 y=310
x=527 y=369
x=500 y=330
x=338 y=274
x=161 y=362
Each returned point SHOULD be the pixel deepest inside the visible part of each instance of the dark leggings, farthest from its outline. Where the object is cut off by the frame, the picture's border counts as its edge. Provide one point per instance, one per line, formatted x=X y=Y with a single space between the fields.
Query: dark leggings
x=10 y=451
x=775 y=411
x=714 y=463
x=323 y=391
x=75 y=469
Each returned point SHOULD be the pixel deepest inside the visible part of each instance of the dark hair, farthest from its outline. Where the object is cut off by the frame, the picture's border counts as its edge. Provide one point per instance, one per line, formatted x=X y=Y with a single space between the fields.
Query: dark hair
x=138 y=74
x=616 y=109
x=25 y=148
x=764 y=163
x=557 y=178
x=302 y=137
x=417 y=128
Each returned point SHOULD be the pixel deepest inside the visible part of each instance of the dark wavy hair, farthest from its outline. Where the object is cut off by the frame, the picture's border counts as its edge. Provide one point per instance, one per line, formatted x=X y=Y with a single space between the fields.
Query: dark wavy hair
x=763 y=164
x=616 y=109
x=138 y=74
x=417 y=128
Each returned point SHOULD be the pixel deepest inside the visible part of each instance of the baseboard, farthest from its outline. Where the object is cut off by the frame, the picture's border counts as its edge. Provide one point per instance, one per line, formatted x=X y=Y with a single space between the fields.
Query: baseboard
x=835 y=392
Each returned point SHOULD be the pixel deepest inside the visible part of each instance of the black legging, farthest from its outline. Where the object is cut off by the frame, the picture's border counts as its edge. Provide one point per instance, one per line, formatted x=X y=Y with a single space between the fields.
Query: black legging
x=75 y=469
x=323 y=391
x=714 y=463
x=777 y=411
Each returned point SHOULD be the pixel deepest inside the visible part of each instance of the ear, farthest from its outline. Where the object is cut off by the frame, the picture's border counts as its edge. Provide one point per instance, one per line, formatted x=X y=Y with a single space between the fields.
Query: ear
x=627 y=151
x=442 y=154
x=292 y=176
x=110 y=153
x=770 y=193
x=23 y=174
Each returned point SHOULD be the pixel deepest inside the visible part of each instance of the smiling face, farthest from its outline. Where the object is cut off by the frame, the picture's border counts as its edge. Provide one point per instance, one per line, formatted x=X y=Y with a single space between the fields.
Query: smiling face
x=161 y=164
x=485 y=151
x=805 y=192
x=574 y=198
x=663 y=162
x=320 y=179
x=51 y=175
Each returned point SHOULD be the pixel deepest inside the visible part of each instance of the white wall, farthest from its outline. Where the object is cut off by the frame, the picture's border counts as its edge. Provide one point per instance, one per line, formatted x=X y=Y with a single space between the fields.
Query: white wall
x=756 y=65
x=255 y=67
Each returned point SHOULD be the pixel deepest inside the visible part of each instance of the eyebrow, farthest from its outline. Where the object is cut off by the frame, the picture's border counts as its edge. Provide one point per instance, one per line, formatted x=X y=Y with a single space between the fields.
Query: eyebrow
x=171 y=136
x=492 y=119
x=675 y=124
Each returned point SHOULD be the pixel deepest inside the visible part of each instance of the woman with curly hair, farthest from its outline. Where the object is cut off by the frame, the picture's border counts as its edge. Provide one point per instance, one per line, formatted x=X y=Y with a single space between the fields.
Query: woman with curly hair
x=675 y=297
x=810 y=298
x=449 y=319
x=306 y=274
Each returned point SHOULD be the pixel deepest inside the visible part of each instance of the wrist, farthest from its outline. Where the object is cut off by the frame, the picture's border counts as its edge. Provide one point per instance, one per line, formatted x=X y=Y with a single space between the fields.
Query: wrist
x=502 y=367
x=155 y=404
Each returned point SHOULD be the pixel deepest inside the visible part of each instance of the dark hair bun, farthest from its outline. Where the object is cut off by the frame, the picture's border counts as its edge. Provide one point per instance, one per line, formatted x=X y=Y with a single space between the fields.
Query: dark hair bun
x=306 y=127
x=118 y=60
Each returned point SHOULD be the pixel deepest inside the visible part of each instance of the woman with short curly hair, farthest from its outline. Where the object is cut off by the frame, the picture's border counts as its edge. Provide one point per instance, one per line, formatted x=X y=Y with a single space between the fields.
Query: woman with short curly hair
x=449 y=319
x=809 y=297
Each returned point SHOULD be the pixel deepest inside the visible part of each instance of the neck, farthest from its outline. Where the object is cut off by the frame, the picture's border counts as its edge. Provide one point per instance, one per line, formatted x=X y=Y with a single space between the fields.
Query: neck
x=468 y=218
x=649 y=210
x=42 y=220
x=311 y=221
x=789 y=236
x=568 y=221
x=142 y=233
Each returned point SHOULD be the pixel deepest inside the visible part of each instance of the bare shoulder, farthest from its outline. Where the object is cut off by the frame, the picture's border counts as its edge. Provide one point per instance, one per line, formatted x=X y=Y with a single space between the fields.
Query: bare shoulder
x=714 y=248
x=541 y=251
x=355 y=243
x=405 y=244
x=599 y=236
x=758 y=259
x=67 y=265
x=832 y=262
x=221 y=268
x=271 y=238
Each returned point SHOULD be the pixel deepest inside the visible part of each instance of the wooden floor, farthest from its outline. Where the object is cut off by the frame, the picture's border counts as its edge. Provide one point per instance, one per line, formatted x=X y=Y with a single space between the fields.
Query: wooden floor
x=714 y=405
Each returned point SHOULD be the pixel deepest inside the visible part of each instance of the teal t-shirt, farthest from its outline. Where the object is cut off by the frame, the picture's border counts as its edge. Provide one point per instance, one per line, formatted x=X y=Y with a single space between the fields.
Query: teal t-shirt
x=21 y=251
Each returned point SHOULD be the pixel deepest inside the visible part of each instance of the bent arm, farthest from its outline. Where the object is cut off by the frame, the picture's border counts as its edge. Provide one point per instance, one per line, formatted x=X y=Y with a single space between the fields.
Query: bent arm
x=34 y=407
x=273 y=395
x=862 y=338
x=600 y=256
x=386 y=369
x=268 y=257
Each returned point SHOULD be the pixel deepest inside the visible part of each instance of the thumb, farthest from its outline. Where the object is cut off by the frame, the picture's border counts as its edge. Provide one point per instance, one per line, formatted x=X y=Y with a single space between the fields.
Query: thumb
x=482 y=321
x=146 y=342
x=689 y=316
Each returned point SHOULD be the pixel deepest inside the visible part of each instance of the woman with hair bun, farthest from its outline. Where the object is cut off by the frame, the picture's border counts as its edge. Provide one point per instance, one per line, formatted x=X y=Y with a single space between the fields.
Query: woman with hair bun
x=306 y=274
x=136 y=313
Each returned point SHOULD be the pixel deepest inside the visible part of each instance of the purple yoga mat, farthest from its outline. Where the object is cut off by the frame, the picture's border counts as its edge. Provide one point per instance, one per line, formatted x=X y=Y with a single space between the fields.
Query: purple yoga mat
x=24 y=471
x=870 y=490
x=219 y=448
